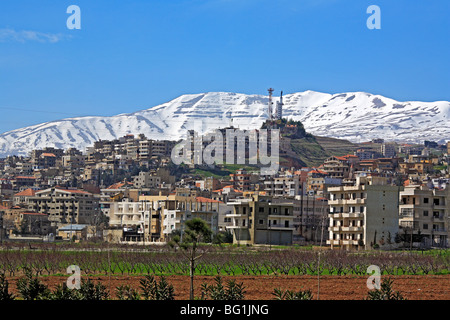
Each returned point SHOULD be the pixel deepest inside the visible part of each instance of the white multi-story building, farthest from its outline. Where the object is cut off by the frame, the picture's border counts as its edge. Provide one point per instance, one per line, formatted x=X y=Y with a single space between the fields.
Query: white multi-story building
x=363 y=215
x=258 y=220
x=425 y=211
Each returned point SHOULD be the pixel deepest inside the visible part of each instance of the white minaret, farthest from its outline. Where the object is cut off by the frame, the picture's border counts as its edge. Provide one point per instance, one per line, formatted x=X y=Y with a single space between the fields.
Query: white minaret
x=279 y=109
x=270 y=104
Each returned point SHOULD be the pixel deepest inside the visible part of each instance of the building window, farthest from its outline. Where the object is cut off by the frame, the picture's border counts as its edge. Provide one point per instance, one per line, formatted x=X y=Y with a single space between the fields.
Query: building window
x=425 y=213
x=425 y=226
x=261 y=221
x=425 y=200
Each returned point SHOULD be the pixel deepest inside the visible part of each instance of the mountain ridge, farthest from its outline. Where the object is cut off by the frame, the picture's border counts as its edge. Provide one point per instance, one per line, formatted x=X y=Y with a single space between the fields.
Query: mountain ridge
x=355 y=116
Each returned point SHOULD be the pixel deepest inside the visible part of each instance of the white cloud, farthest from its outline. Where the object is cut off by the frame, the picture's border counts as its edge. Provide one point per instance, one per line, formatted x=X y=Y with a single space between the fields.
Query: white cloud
x=7 y=34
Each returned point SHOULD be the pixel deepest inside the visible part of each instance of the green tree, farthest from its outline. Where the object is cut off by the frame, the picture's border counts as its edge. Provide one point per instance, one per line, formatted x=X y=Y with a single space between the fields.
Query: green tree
x=196 y=232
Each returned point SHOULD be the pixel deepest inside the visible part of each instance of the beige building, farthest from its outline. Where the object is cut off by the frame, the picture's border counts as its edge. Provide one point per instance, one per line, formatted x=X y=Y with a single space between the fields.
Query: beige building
x=258 y=220
x=65 y=205
x=175 y=210
x=425 y=211
x=363 y=214
x=139 y=221
x=286 y=186
x=146 y=180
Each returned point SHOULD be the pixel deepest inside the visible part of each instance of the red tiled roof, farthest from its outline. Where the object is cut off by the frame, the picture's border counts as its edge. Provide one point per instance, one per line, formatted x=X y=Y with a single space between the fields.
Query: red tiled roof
x=203 y=199
x=119 y=185
x=73 y=191
x=318 y=171
x=26 y=193
x=47 y=154
x=34 y=213
x=25 y=177
x=3 y=207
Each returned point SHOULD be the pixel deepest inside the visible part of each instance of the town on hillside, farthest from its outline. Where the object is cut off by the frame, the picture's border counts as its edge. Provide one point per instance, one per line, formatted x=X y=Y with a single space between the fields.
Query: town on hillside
x=375 y=194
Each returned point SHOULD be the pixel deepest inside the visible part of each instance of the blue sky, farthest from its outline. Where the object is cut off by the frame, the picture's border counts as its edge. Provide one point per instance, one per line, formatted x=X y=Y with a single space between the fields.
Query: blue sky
x=131 y=55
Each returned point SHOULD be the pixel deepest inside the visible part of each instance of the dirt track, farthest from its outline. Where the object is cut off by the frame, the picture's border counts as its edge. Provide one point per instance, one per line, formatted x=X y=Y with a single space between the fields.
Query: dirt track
x=432 y=287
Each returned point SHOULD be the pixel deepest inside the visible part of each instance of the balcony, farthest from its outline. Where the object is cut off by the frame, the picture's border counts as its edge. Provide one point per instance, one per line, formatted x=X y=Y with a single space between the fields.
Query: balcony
x=335 y=229
x=440 y=231
x=281 y=227
x=333 y=242
x=342 y=242
x=236 y=227
x=356 y=201
x=440 y=206
x=337 y=201
x=352 y=215
x=352 y=229
x=280 y=216
x=236 y=215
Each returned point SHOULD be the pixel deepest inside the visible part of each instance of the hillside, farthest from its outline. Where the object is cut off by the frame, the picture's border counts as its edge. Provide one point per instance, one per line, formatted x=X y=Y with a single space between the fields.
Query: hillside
x=353 y=116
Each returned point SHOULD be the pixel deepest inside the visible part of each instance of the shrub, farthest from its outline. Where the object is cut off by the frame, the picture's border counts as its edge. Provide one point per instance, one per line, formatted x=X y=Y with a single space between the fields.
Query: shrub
x=152 y=290
x=30 y=288
x=125 y=292
x=292 y=295
x=63 y=292
x=217 y=291
x=4 y=289
x=385 y=292
x=91 y=291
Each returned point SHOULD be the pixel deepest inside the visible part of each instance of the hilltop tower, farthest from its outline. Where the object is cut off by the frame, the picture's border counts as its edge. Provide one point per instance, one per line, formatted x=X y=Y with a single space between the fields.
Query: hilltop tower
x=269 y=111
x=279 y=109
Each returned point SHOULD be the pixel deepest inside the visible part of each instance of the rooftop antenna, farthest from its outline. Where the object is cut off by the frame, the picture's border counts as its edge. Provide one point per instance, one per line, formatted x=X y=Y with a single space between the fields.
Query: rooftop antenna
x=270 y=103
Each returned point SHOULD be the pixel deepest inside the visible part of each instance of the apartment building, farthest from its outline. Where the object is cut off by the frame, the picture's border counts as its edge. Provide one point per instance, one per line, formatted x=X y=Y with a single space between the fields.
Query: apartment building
x=243 y=180
x=139 y=221
x=175 y=210
x=311 y=215
x=65 y=205
x=340 y=167
x=146 y=180
x=363 y=214
x=285 y=186
x=318 y=182
x=388 y=149
x=425 y=211
x=258 y=220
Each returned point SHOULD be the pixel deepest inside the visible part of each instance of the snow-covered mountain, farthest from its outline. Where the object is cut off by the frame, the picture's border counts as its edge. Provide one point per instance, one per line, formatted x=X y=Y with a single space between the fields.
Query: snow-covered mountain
x=356 y=116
